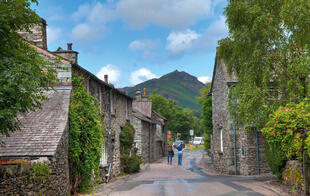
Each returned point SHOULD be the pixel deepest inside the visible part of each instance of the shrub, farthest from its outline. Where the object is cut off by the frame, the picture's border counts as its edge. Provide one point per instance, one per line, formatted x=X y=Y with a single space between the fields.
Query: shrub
x=39 y=172
x=275 y=158
x=126 y=138
x=130 y=164
x=287 y=134
x=85 y=137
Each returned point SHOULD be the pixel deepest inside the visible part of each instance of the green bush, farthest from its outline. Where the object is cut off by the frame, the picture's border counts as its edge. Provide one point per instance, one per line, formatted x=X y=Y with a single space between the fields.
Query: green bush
x=287 y=134
x=85 y=137
x=126 y=138
x=39 y=172
x=207 y=141
x=275 y=158
x=130 y=164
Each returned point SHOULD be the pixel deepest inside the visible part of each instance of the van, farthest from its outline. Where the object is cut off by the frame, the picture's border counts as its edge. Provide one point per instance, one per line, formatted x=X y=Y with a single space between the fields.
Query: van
x=198 y=141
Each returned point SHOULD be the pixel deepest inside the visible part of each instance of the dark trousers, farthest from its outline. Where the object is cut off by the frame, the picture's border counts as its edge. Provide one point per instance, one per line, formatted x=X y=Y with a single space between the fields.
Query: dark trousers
x=170 y=158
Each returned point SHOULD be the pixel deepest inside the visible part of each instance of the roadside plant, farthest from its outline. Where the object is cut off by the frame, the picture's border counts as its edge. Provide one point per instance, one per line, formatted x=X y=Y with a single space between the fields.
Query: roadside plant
x=85 y=137
x=287 y=131
x=130 y=161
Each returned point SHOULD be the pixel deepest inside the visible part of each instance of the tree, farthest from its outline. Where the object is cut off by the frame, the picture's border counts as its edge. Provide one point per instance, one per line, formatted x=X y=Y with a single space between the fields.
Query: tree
x=85 y=136
x=24 y=75
x=206 y=121
x=268 y=50
x=179 y=120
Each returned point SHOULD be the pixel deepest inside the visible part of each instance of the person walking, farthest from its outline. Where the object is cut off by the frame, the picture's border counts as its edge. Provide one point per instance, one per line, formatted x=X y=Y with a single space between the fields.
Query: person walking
x=180 y=154
x=170 y=154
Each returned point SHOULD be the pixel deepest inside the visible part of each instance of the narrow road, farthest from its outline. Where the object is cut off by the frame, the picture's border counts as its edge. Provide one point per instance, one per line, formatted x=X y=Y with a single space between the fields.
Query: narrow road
x=188 y=179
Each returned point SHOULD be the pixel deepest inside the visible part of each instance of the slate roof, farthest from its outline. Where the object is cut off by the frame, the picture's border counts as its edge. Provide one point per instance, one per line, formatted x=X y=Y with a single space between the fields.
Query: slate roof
x=141 y=116
x=41 y=130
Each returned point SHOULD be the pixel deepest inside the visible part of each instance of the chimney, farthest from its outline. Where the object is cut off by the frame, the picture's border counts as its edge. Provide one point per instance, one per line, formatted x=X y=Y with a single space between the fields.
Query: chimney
x=68 y=54
x=69 y=46
x=106 y=79
x=138 y=96
x=37 y=34
x=144 y=92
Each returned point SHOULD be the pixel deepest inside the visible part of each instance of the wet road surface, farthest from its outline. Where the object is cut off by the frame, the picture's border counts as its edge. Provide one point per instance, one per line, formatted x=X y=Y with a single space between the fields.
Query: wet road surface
x=172 y=180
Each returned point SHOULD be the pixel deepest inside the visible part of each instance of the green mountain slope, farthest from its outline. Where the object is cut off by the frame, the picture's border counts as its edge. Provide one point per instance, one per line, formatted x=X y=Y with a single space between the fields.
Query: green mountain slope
x=179 y=86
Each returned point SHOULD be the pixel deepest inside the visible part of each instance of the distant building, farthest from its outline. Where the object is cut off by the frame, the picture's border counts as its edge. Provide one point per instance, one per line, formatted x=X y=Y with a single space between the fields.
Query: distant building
x=242 y=153
x=151 y=129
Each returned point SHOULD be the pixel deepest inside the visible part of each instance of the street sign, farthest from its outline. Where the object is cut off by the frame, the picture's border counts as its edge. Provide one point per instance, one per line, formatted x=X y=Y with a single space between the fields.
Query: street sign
x=191 y=132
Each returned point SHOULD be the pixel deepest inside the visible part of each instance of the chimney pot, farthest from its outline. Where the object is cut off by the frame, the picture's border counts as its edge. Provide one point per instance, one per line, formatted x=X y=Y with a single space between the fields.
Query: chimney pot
x=69 y=46
x=106 y=79
x=144 y=92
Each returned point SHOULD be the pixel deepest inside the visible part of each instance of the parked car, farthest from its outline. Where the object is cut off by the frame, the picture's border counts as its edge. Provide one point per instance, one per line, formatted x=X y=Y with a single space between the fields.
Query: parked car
x=198 y=141
x=178 y=142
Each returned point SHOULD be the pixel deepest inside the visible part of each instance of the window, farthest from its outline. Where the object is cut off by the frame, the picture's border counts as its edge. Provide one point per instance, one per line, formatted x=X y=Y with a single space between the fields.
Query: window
x=104 y=156
x=242 y=149
x=222 y=148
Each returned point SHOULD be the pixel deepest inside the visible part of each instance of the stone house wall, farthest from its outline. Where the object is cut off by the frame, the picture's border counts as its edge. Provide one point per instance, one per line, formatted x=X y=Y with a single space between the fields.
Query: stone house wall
x=119 y=115
x=15 y=179
x=223 y=160
x=142 y=138
x=246 y=158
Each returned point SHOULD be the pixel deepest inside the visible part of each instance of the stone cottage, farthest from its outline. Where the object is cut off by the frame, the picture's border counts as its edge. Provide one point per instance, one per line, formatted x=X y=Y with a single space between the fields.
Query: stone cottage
x=151 y=129
x=235 y=150
x=43 y=139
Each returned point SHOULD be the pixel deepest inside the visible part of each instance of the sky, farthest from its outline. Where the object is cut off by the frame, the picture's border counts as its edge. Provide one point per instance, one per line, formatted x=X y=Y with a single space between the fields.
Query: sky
x=136 y=40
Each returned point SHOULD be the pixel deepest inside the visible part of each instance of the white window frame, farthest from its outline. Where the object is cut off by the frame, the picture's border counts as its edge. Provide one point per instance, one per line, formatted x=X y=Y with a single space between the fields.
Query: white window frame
x=221 y=138
x=104 y=156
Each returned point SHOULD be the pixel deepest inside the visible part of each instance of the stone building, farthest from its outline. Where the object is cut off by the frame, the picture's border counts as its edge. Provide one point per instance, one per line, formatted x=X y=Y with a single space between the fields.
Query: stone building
x=43 y=139
x=235 y=150
x=45 y=132
x=151 y=129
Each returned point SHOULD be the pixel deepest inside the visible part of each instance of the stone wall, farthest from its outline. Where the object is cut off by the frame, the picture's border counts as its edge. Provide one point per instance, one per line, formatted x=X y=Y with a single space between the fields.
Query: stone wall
x=293 y=175
x=223 y=160
x=121 y=113
x=246 y=163
x=18 y=178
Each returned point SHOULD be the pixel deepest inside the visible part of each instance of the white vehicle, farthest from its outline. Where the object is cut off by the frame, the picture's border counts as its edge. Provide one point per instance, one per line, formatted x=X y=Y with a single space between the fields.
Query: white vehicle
x=198 y=141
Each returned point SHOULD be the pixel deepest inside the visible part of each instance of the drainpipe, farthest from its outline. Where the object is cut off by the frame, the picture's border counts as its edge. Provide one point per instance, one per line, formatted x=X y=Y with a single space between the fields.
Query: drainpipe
x=110 y=137
x=235 y=156
x=257 y=152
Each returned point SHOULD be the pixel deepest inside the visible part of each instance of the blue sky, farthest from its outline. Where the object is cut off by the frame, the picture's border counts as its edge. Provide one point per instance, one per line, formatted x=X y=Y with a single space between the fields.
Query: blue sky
x=136 y=40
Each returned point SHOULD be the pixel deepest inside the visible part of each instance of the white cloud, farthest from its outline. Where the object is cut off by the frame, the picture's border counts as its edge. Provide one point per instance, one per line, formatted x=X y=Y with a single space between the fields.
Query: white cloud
x=142 y=45
x=204 y=79
x=53 y=34
x=113 y=73
x=172 y=13
x=141 y=75
x=181 y=41
x=189 y=40
x=82 y=12
x=94 y=19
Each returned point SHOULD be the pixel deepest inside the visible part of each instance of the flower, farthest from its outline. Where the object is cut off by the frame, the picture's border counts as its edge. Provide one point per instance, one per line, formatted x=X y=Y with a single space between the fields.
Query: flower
x=287 y=131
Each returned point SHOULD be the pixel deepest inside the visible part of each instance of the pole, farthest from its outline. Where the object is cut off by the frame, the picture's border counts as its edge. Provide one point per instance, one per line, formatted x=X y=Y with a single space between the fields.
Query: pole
x=235 y=156
x=257 y=152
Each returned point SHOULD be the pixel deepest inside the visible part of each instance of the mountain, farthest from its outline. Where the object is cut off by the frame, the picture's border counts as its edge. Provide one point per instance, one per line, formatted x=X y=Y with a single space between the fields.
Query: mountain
x=182 y=87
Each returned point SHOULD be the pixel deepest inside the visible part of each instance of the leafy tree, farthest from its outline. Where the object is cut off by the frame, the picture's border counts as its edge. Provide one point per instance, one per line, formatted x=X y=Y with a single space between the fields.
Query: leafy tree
x=179 y=120
x=206 y=121
x=85 y=137
x=22 y=79
x=268 y=50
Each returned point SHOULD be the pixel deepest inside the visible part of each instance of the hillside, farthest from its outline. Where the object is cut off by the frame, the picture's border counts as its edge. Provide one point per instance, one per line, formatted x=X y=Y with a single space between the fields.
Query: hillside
x=179 y=86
